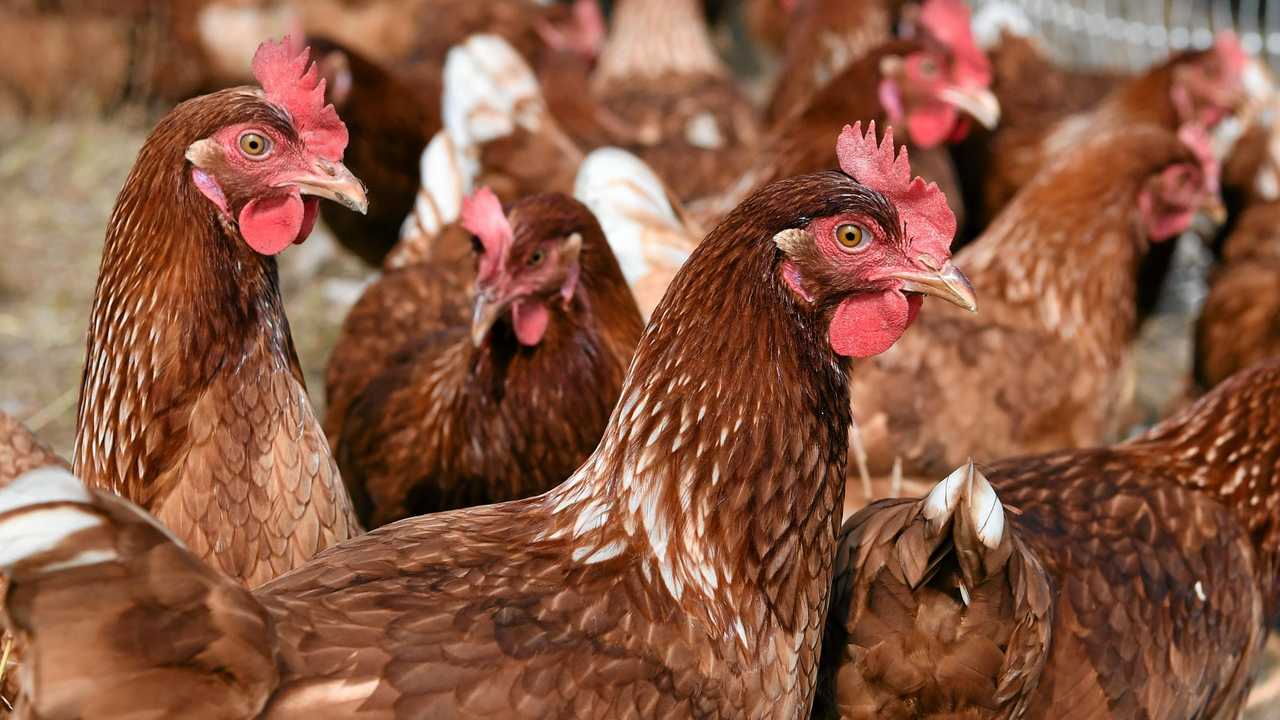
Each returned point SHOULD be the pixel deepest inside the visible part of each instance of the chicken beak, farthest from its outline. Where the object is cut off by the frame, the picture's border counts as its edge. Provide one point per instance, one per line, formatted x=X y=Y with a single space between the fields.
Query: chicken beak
x=978 y=103
x=1214 y=209
x=947 y=284
x=333 y=181
x=486 y=313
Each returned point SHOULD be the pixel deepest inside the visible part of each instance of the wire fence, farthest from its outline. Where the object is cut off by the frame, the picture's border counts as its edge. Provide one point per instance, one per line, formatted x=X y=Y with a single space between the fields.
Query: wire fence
x=1132 y=34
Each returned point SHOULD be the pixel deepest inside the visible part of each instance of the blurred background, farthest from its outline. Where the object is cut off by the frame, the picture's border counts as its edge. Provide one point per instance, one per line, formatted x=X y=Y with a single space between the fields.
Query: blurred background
x=82 y=82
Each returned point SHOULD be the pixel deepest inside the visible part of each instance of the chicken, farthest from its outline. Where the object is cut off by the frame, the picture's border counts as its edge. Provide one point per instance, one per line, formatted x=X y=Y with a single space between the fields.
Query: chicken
x=507 y=400
x=193 y=403
x=677 y=107
x=21 y=450
x=1203 y=87
x=924 y=87
x=681 y=571
x=1240 y=322
x=822 y=39
x=1046 y=363
x=1034 y=93
x=389 y=129
x=499 y=131
x=1137 y=580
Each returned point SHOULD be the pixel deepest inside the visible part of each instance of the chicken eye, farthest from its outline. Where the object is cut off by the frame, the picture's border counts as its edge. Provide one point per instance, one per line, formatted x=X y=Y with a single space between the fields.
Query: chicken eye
x=254 y=145
x=852 y=237
x=928 y=67
x=536 y=258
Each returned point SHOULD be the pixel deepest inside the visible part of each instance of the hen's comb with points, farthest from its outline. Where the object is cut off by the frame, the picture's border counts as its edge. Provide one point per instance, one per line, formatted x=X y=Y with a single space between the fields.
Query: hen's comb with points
x=948 y=22
x=482 y=216
x=291 y=80
x=929 y=223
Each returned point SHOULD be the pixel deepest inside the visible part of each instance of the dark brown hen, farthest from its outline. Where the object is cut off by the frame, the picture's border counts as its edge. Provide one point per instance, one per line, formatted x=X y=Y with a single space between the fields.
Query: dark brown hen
x=496 y=403
x=1137 y=580
x=193 y=404
x=1045 y=365
x=682 y=571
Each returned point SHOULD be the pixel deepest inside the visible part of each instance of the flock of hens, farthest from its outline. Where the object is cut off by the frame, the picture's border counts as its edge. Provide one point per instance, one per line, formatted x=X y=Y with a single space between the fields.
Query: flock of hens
x=605 y=436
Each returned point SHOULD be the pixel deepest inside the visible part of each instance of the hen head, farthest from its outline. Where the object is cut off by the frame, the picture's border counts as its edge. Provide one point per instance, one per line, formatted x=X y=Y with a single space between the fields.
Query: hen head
x=874 y=249
x=283 y=144
x=928 y=89
x=1209 y=86
x=1170 y=198
x=528 y=259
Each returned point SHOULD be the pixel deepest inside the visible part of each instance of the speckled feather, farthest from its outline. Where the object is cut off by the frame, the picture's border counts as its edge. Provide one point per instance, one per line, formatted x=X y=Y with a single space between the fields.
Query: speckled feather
x=682 y=571
x=439 y=424
x=1240 y=322
x=1161 y=556
x=193 y=404
x=1059 y=310
x=21 y=450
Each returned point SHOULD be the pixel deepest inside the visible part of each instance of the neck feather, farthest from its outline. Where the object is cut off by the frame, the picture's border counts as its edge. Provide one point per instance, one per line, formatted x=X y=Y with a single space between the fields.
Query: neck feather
x=656 y=39
x=721 y=470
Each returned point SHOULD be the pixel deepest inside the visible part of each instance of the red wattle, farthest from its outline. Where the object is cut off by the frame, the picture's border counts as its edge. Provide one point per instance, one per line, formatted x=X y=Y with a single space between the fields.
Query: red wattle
x=272 y=224
x=530 y=318
x=931 y=125
x=866 y=325
x=310 y=209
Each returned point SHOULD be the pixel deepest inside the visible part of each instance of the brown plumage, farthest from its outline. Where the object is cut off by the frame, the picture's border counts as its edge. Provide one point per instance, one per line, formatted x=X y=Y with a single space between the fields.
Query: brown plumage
x=193 y=403
x=1044 y=365
x=1137 y=580
x=441 y=422
x=823 y=38
x=1240 y=322
x=1034 y=94
x=21 y=450
x=682 y=571
x=1212 y=80
x=802 y=143
x=681 y=111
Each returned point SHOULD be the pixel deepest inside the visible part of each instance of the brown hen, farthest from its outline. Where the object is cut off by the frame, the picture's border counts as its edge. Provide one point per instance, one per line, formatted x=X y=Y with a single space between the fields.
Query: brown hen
x=1137 y=580
x=496 y=403
x=682 y=571
x=679 y=109
x=193 y=404
x=1045 y=365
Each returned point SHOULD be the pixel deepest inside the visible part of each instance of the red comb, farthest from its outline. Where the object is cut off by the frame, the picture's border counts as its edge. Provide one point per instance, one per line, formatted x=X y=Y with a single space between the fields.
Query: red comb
x=1229 y=50
x=923 y=208
x=291 y=81
x=1195 y=137
x=482 y=216
x=948 y=22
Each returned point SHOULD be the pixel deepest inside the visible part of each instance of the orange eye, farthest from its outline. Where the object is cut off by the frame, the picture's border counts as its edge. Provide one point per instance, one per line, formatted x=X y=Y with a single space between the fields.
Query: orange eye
x=254 y=145
x=852 y=237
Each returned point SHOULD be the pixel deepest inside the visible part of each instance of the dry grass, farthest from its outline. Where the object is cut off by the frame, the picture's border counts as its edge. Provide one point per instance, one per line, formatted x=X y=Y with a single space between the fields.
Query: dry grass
x=58 y=182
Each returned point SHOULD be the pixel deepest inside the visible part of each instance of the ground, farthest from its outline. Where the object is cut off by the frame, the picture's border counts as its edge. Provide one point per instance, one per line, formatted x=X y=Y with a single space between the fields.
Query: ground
x=59 y=179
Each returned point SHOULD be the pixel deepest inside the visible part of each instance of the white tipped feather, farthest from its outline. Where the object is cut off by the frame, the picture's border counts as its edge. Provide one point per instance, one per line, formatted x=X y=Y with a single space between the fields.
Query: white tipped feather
x=29 y=530
x=42 y=485
x=942 y=499
x=443 y=185
x=635 y=212
x=985 y=510
x=489 y=90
